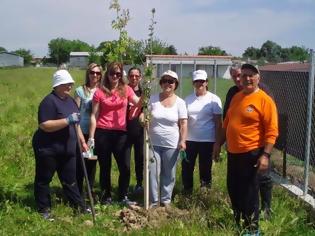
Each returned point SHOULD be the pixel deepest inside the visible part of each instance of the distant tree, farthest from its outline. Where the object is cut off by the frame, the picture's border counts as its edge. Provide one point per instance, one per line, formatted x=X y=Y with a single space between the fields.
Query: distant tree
x=2 y=49
x=252 y=53
x=285 y=54
x=158 y=47
x=135 y=52
x=271 y=51
x=212 y=50
x=171 y=50
x=298 y=53
x=94 y=57
x=60 y=48
x=26 y=54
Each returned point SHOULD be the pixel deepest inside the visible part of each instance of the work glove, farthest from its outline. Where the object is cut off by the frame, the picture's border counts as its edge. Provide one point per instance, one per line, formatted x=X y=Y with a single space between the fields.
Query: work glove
x=91 y=143
x=74 y=118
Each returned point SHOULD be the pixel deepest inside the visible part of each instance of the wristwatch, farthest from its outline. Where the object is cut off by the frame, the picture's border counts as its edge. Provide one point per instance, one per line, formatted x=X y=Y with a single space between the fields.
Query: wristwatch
x=266 y=154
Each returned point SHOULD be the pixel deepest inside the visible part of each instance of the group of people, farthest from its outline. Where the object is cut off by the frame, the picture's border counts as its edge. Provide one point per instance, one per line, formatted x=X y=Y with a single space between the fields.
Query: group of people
x=105 y=115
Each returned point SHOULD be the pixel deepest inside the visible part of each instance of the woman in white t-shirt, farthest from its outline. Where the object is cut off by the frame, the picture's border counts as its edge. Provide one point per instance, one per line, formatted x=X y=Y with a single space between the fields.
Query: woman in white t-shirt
x=168 y=130
x=204 y=123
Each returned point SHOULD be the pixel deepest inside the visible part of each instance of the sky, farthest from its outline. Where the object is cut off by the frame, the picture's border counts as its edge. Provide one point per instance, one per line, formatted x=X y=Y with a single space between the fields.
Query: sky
x=232 y=25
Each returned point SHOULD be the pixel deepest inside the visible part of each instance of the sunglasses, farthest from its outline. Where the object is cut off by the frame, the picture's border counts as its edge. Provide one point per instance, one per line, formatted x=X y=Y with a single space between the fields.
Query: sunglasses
x=118 y=74
x=95 y=72
x=169 y=81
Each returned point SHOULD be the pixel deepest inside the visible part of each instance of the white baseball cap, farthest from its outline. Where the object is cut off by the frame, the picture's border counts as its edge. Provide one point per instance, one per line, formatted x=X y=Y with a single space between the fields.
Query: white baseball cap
x=170 y=73
x=200 y=75
x=61 y=77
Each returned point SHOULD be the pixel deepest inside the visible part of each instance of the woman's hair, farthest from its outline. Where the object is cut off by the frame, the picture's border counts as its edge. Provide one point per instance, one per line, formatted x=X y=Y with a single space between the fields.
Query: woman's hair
x=121 y=83
x=86 y=84
x=134 y=68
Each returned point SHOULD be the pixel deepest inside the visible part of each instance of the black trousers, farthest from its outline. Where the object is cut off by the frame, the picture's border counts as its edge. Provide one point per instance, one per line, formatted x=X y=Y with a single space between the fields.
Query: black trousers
x=265 y=189
x=136 y=141
x=47 y=163
x=90 y=169
x=193 y=149
x=243 y=187
x=108 y=142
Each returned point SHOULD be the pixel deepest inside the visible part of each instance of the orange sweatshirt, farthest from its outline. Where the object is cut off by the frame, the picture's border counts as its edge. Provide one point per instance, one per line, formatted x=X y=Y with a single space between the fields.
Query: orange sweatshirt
x=251 y=121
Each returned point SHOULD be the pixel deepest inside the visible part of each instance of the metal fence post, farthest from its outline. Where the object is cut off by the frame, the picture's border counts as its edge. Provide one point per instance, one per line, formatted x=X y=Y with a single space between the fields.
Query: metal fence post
x=181 y=80
x=215 y=77
x=309 y=120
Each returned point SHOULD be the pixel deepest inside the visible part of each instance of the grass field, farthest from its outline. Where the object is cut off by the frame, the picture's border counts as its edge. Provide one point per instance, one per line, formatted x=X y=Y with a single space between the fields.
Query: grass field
x=204 y=213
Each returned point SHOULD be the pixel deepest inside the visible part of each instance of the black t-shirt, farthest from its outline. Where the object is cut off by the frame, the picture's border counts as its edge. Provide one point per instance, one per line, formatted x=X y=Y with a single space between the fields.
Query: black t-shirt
x=62 y=141
x=134 y=128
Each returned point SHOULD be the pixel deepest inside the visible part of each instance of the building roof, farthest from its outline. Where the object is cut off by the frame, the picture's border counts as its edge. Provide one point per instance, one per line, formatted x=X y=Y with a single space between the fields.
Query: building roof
x=190 y=57
x=300 y=67
x=84 y=54
x=11 y=53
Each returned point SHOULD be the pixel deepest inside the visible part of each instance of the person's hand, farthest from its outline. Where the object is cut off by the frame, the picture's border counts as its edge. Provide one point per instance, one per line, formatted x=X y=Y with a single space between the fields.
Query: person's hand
x=216 y=152
x=74 y=118
x=91 y=143
x=85 y=147
x=262 y=164
x=182 y=145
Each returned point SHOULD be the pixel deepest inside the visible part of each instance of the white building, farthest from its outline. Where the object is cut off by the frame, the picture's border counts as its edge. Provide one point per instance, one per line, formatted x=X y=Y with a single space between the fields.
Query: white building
x=184 y=65
x=81 y=59
x=10 y=59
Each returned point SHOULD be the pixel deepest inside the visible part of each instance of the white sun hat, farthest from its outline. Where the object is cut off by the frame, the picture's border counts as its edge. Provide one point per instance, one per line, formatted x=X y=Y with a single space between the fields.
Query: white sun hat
x=61 y=77
x=200 y=75
x=170 y=73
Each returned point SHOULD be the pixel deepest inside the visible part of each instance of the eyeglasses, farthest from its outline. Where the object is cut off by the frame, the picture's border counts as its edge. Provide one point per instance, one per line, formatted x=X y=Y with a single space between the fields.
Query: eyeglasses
x=169 y=81
x=199 y=81
x=95 y=72
x=118 y=74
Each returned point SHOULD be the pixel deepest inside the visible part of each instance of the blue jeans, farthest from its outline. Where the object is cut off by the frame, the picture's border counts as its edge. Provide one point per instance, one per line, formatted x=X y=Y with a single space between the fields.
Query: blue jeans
x=162 y=170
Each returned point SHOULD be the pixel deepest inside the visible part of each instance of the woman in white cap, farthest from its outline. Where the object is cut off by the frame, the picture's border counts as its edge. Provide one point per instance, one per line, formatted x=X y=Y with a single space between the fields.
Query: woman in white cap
x=83 y=96
x=204 y=123
x=54 y=144
x=167 y=130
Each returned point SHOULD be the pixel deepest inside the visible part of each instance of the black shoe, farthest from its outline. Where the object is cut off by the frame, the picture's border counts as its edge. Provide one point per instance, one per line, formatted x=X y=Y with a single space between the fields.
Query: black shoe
x=138 y=189
x=127 y=202
x=47 y=216
x=106 y=201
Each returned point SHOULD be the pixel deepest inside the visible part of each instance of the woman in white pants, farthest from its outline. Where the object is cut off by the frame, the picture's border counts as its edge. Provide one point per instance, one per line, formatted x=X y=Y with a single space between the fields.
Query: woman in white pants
x=168 y=130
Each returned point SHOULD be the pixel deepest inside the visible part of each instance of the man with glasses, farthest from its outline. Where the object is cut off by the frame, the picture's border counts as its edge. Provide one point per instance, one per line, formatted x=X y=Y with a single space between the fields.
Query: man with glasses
x=251 y=128
x=265 y=181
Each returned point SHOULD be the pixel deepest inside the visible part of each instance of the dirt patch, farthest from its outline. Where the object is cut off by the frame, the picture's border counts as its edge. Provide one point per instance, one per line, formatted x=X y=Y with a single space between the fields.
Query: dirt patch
x=294 y=173
x=136 y=217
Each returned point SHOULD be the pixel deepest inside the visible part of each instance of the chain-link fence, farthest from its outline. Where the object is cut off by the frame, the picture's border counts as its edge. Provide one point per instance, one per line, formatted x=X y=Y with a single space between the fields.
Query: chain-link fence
x=294 y=156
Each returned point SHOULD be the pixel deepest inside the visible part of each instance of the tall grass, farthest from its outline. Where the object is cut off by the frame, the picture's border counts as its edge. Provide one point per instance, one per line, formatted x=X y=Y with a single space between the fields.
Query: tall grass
x=208 y=213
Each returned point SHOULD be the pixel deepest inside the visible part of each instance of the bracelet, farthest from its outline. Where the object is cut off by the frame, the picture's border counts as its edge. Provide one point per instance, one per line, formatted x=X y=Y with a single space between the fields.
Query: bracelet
x=266 y=154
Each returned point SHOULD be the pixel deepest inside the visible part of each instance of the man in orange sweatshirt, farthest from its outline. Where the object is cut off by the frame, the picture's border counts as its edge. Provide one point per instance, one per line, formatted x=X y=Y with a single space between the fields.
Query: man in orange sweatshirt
x=251 y=129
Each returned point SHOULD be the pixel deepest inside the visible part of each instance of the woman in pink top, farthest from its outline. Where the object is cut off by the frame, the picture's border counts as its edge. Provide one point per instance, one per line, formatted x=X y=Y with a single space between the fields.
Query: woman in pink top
x=108 y=127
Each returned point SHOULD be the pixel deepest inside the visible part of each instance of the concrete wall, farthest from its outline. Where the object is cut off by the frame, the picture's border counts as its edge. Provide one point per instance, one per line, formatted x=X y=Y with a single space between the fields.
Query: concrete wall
x=8 y=59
